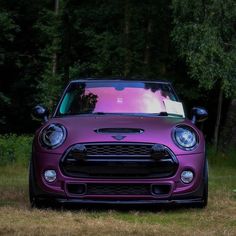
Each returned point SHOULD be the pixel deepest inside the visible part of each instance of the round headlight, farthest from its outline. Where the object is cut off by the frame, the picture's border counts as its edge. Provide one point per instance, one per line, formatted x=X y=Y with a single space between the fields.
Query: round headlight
x=185 y=137
x=53 y=135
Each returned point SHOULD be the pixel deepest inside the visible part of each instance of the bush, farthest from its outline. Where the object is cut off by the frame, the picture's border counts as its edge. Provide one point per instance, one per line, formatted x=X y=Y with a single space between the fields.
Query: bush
x=15 y=149
x=222 y=158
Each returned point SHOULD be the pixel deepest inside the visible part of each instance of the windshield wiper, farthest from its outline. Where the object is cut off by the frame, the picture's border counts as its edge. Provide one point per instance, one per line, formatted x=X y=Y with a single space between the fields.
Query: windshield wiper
x=98 y=113
x=164 y=113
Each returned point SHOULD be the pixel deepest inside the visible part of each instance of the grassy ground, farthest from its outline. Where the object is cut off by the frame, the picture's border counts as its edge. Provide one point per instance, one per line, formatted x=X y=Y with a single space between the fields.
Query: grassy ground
x=17 y=218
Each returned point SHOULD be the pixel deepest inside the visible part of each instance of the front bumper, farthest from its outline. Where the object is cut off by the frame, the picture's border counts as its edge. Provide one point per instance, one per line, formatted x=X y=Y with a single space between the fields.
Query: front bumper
x=130 y=202
x=179 y=193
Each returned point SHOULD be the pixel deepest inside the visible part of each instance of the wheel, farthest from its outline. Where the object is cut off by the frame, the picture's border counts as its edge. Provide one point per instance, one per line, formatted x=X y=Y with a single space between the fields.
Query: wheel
x=205 y=191
x=204 y=202
x=35 y=202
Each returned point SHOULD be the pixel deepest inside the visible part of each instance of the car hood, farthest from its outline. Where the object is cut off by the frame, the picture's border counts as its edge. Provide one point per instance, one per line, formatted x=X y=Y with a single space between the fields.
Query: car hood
x=128 y=128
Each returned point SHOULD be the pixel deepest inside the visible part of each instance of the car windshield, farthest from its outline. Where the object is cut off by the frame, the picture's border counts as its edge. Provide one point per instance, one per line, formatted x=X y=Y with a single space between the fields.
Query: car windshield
x=120 y=97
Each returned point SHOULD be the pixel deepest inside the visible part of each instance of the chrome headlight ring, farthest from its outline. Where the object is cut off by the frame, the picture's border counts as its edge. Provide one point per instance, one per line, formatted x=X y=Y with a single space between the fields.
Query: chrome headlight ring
x=53 y=136
x=185 y=137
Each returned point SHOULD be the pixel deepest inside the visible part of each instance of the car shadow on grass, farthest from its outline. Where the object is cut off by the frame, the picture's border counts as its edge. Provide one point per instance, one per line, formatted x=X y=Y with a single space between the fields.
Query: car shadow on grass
x=118 y=207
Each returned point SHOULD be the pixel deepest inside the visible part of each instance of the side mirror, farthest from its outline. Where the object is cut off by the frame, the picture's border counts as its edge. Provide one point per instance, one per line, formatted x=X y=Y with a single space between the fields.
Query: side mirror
x=40 y=113
x=199 y=114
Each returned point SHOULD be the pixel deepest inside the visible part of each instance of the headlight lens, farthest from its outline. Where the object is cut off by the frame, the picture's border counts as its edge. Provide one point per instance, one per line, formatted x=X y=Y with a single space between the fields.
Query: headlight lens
x=53 y=135
x=185 y=137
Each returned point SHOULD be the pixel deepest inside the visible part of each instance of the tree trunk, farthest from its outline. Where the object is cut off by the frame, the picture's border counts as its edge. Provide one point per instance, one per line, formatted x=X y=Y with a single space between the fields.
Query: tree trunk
x=54 y=56
x=127 y=39
x=66 y=42
x=148 y=45
x=228 y=136
x=218 y=118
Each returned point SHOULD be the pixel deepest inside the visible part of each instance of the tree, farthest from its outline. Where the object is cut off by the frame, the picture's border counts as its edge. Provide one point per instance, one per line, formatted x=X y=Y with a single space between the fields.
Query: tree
x=43 y=44
x=8 y=28
x=204 y=34
x=20 y=64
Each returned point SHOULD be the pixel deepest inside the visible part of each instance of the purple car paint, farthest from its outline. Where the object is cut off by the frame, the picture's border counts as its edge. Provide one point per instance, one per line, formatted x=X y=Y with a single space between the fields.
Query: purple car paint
x=119 y=141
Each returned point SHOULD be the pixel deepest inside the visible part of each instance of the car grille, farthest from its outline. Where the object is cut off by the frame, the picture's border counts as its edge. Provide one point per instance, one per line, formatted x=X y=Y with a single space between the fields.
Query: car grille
x=118 y=150
x=118 y=189
x=117 y=160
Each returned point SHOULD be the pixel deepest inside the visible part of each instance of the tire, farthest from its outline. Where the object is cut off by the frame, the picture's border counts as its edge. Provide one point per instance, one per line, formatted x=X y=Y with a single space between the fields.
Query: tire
x=35 y=202
x=205 y=191
x=204 y=202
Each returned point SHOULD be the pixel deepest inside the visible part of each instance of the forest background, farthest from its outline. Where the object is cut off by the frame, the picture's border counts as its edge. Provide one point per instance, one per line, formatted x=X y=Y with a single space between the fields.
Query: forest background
x=46 y=43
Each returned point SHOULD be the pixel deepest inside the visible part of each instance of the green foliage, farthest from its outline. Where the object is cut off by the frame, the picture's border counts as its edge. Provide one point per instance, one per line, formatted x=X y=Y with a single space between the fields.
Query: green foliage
x=100 y=45
x=49 y=80
x=110 y=38
x=50 y=87
x=15 y=149
x=4 y=100
x=41 y=49
x=222 y=158
x=8 y=29
x=205 y=37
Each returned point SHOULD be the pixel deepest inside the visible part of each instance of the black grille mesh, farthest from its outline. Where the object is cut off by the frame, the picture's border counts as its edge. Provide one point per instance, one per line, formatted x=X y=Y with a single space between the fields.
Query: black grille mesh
x=117 y=150
x=118 y=189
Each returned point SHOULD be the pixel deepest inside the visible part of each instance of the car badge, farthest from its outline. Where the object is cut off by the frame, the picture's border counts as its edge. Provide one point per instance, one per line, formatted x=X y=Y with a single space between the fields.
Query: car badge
x=119 y=137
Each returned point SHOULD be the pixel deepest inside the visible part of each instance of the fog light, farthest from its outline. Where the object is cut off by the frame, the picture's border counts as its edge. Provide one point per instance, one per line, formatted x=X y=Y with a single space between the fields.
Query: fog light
x=76 y=188
x=187 y=176
x=161 y=189
x=50 y=175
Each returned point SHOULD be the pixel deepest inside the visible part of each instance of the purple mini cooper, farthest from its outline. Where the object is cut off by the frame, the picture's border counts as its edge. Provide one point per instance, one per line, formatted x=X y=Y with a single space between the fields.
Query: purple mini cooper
x=119 y=142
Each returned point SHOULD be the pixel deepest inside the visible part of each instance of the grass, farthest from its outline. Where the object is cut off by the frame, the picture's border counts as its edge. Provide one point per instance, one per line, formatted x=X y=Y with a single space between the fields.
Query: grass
x=17 y=218
x=219 y=218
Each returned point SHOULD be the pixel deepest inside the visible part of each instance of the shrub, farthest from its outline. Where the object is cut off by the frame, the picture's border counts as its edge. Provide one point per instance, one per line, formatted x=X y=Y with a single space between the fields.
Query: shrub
x=15 y=149
x=222 y=158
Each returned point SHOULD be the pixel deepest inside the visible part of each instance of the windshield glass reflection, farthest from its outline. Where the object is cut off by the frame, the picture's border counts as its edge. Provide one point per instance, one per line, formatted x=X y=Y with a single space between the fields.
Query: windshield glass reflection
x=119 y=97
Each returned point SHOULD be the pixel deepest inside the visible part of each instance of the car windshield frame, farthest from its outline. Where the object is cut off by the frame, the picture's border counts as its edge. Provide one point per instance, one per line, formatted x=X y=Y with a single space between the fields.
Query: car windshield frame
x=120 y=85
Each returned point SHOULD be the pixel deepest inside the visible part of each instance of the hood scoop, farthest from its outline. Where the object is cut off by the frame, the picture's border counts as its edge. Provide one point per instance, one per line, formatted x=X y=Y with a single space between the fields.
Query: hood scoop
x=119 y=131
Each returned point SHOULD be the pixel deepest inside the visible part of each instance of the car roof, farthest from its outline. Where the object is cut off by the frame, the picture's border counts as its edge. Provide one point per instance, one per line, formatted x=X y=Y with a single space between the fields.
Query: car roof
x=115 y=79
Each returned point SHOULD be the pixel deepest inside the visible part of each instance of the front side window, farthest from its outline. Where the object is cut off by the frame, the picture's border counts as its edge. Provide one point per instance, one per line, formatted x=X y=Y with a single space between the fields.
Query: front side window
x=119 y=97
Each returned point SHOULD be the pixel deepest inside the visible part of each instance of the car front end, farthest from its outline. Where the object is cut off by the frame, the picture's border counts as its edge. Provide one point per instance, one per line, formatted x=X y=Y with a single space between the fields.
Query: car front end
x=116 y=157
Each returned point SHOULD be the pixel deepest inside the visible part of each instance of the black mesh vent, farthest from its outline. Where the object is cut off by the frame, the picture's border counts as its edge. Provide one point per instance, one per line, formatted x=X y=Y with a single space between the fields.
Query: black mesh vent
x=118 y=189
x=118 y=150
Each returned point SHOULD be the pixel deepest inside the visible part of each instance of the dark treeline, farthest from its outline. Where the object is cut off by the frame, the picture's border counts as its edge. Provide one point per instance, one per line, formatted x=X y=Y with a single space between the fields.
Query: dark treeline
x=45 y=43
